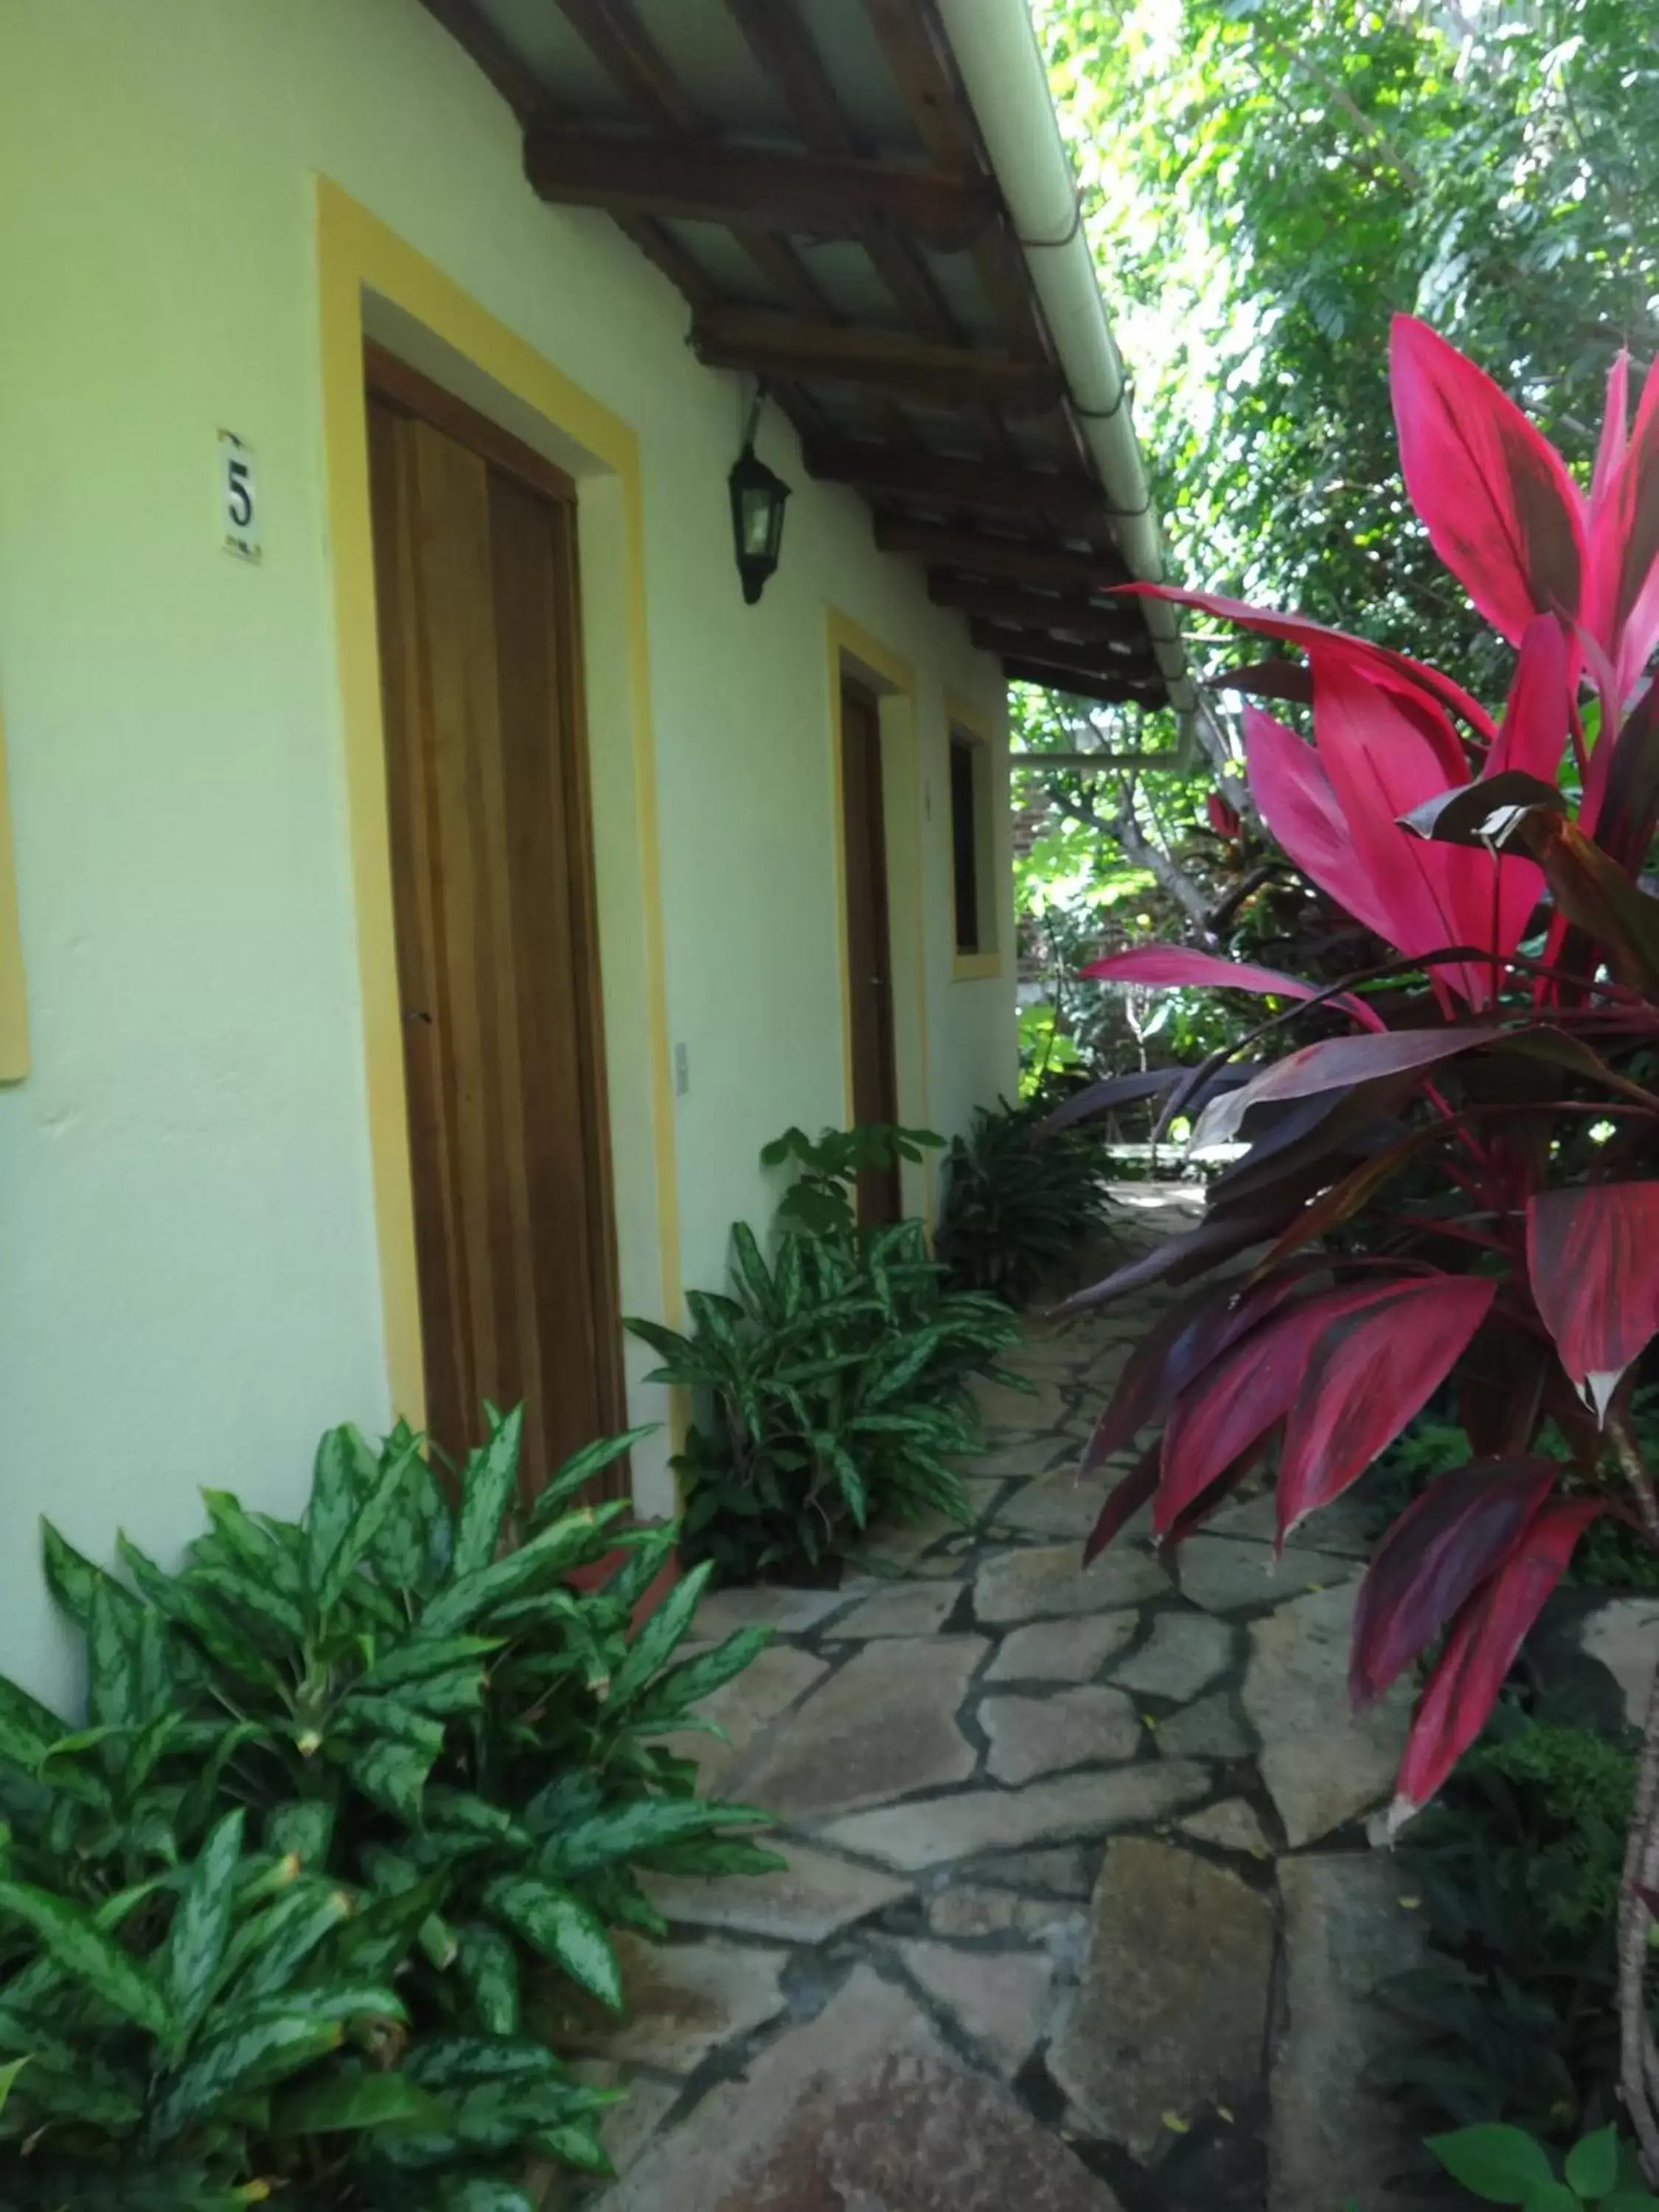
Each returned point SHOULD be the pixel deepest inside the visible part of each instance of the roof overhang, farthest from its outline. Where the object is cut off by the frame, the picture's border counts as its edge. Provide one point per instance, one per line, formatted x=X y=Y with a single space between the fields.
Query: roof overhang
x=836 y=191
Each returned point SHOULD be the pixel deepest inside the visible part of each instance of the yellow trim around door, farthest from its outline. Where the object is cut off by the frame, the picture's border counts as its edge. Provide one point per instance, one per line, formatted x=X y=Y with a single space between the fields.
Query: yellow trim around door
x=893 y=679
x=357 y=255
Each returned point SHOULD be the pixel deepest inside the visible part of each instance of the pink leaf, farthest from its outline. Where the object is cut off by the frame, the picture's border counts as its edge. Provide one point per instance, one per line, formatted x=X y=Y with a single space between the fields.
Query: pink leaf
x=1592 y=1258
x=1397 y=670
x=1241 y=1395
x=1294 y=798
x=1533 y=733
x=1370 y=1371
x=1622 y=598
x=1441 y=1549
x=1173 y=965
x=1615 y=430
x=1502 y=512
x=1384 y=753
x=1481 y=1650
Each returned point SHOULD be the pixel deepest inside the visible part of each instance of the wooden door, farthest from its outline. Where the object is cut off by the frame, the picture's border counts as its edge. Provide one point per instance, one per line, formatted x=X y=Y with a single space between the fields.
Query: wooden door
x=492 y=896
x=869 y=955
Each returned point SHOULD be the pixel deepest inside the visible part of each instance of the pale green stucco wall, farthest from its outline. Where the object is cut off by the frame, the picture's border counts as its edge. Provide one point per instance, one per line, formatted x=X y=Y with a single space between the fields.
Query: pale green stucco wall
x=189 y=1284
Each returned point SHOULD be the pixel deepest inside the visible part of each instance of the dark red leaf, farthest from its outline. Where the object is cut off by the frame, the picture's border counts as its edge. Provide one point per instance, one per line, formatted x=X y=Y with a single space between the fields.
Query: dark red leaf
x=1621 y=792
x=1593 y=1260
x=1334 y=1064
x=1105 y=1098
x=1177 y=1258
x=1277 y=678
x=1131 y=1494
x=1442 y=1548
x=1501 y=510
x=1480 y=1648
x=1331 y=1207
x=1175 y=965
x=1461 y=815
x=1242 y=1395
x=1178 y=1348
x=1596 y=895
x=1369 y=1372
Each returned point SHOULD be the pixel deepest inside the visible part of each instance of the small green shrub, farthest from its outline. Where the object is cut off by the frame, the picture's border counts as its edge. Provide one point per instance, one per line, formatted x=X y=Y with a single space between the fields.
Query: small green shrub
x=822 y=1199
x=1512 y=2015
x=831 y=1388
x=1017 y=1205
x=445 y=1759
x=1505 y=2166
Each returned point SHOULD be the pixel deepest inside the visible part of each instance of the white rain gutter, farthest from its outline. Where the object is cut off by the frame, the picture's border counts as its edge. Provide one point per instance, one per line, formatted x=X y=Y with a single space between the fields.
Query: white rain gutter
x=1001 y=67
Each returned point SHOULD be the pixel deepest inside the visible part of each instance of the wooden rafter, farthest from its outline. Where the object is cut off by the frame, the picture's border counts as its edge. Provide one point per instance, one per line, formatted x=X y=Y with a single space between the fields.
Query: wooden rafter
x=827 y=196
x=983 y=555
x=1078 y=618
x=871 y=361
x=625 y=49
x=947 y=480
x=1128 y=657
x=1096 y=688
x=673 y=165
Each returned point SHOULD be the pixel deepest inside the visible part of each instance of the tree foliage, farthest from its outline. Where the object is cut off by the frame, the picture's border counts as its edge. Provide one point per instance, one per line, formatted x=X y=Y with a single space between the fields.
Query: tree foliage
x=1265 y=182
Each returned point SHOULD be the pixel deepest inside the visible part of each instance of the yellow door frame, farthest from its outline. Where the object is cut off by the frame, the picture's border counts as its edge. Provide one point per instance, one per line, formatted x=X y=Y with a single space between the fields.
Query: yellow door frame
x=359 y=260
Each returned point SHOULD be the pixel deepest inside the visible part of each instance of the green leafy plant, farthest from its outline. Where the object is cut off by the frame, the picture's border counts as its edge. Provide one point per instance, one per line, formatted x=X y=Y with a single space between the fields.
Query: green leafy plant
x=822 y=1199
x=1509 y=2016
x=1017 y=1204
x=430 y=1728
x=831 y=1388
x=230 y=2026
x=1505 y=2166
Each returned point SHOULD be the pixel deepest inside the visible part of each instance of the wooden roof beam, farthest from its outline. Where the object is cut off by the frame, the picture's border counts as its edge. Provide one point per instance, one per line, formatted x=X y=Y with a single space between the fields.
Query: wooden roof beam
x=1085 y=619
x=1129 y=659
x=828 y=195
x=1098 y=688
x=946 y=481
x=870 y=361
x=985 y=556
x=630 y=57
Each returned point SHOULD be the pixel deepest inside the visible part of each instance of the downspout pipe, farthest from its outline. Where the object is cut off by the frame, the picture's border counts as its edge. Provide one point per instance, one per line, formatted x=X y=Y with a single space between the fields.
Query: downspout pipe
x=1002 y=69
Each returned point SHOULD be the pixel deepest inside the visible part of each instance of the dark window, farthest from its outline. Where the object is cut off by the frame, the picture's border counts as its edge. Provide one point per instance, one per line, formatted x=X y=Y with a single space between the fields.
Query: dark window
x=964 y=843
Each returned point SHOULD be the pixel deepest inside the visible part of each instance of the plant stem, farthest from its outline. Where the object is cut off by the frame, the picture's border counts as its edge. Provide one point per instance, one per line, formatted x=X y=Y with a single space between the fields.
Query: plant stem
x=1641 y=1869
x=1639 y=2063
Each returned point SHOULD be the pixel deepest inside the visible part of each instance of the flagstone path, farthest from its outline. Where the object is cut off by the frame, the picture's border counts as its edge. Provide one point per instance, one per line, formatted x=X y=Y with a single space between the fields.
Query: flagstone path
x=1079 y=1911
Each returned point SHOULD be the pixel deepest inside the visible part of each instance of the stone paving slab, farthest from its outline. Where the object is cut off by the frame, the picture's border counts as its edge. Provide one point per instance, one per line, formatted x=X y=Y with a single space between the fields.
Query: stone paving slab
x=882 y=1727
x=999 y=1999
x=816 y=1896
x=1029 y=1930
x=940 y=1829
x=865 y=2109
x=1323 y=1765
x=1061 y=1650
x=1171 y=2013
x=1030 y=1736
x=1051 y=1582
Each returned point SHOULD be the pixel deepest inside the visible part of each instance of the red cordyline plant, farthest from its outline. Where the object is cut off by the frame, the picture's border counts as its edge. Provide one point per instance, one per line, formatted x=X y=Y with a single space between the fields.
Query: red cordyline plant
x=1483 y=1114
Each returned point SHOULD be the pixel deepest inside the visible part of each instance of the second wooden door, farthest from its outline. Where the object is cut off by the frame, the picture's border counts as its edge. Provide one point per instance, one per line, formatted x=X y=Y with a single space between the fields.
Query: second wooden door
x=869 y=948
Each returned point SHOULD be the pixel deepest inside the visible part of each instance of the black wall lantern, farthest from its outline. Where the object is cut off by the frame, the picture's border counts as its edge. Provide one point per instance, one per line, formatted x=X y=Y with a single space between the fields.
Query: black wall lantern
x=757 y=498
